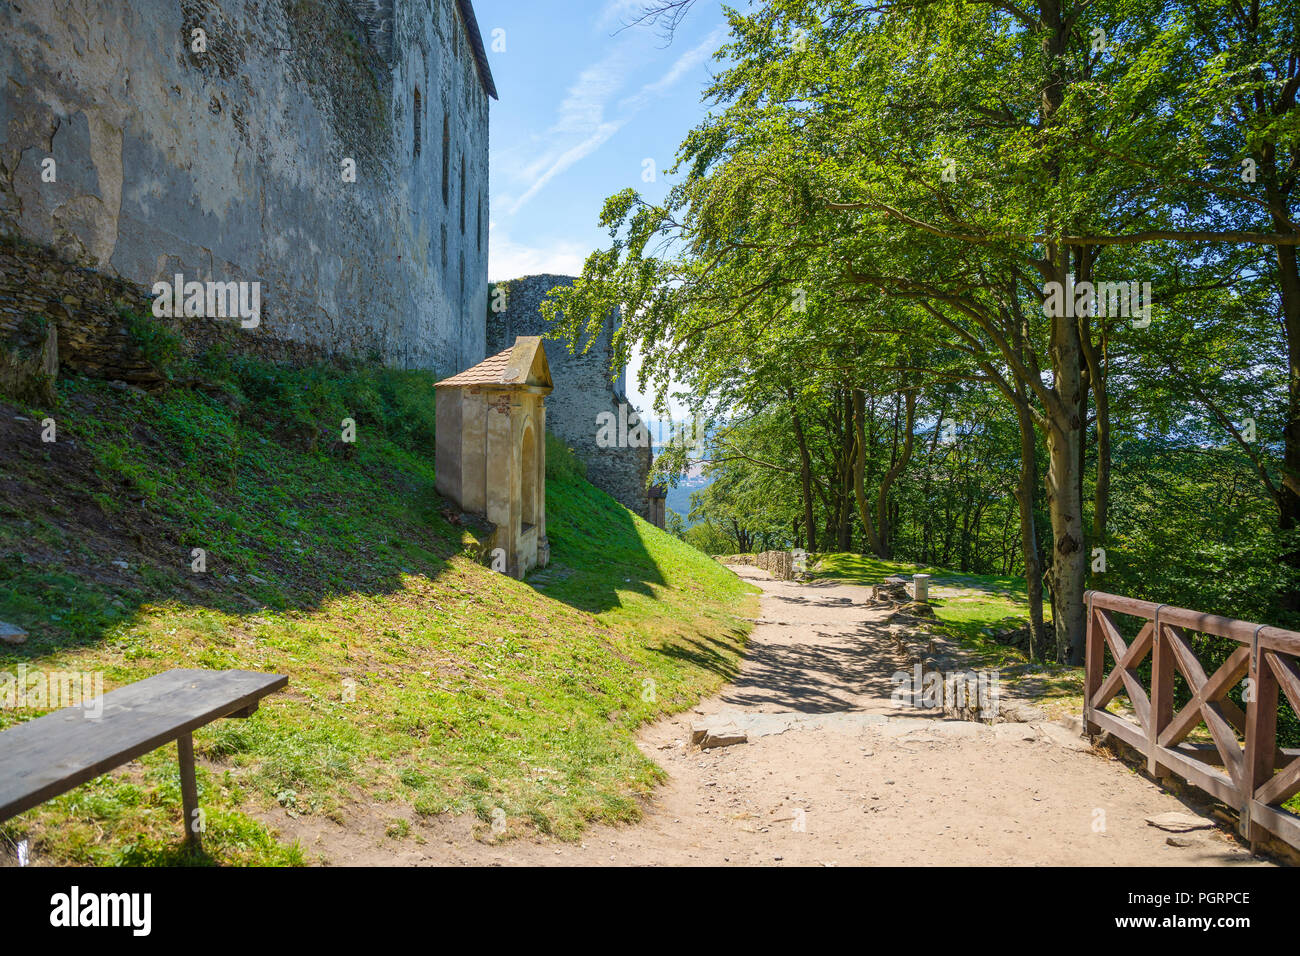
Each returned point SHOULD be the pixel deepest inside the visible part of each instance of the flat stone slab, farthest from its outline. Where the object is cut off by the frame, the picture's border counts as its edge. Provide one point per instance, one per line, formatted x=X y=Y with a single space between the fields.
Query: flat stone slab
x=10 y=634
x=710 y=733
x=1179 y=822
x=1018 y=712
x=1063 y=736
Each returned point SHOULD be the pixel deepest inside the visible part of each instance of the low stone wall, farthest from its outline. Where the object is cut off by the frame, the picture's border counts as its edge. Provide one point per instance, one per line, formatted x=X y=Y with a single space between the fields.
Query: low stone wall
x=39 y=290
x=47 y=302
x=779 y=564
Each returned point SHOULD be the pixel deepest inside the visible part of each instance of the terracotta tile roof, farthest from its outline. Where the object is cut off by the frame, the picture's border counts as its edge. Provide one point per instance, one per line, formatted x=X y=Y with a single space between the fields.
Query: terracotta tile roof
x=523 y=365
x=487 y=372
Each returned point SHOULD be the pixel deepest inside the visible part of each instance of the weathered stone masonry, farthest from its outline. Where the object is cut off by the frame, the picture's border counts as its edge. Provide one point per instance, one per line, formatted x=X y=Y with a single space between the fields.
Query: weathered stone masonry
x=583 y=389
x=40 y=291
x=227 y=164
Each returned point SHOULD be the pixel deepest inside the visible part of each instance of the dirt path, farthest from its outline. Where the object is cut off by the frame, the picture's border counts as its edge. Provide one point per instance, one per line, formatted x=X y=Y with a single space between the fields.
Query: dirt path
x=834 y=773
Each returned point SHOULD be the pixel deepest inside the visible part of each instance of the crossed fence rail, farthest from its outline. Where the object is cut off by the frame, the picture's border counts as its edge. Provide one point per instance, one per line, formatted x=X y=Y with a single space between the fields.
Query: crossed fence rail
x=1242 y=766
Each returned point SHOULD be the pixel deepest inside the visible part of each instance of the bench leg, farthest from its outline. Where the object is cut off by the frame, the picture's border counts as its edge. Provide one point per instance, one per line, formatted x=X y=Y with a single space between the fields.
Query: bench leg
x=189 y=789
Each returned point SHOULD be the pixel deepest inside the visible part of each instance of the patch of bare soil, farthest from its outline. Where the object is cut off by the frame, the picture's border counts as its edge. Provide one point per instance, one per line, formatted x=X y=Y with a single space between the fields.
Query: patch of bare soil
x=60 y=479
x=835 y=774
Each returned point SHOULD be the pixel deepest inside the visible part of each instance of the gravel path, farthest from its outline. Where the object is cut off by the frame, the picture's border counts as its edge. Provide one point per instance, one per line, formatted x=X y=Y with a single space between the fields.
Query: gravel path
x=834 y=773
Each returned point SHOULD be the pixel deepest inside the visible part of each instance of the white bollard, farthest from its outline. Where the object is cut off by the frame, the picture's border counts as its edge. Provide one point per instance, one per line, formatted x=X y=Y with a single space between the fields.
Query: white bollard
x=920 y=587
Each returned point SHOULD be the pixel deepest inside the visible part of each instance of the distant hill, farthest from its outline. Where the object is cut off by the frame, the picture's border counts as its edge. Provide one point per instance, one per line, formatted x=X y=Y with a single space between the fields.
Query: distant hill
x=679 y=497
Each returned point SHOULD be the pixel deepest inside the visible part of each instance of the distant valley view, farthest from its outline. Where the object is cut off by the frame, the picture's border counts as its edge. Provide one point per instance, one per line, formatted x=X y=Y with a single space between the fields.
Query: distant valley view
x=679 y=497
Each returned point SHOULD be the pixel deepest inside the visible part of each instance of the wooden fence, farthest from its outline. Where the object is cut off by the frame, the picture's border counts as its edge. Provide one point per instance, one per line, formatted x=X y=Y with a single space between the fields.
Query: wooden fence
x=1243 y=766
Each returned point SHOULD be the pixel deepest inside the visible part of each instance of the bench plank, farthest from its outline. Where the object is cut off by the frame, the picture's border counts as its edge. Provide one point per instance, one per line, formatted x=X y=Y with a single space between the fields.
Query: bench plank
x=49 y=755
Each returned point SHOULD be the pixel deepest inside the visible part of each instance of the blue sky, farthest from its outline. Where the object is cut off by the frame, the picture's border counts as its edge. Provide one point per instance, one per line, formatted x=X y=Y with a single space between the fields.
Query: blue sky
x=583 y=105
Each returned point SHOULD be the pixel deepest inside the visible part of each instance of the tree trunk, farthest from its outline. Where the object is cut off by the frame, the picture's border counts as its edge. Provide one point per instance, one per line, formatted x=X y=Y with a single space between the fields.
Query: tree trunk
x=1025 y=490
x=1064 y=502
x=874 y=541
x=1095 y=367
x=900 y=462
x=1064 y=498
x=1095 y=357
x=880 y=529
x=1288 y=499
x=846 y=472
x=805 y=476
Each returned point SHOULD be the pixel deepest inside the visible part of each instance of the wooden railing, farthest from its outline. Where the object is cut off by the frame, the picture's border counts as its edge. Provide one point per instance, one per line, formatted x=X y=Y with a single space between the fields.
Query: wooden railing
x=1243 y=766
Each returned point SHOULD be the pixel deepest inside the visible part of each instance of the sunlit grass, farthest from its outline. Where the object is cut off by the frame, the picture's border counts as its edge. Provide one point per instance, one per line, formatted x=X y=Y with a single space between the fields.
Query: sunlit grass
x=418 y=678
x=972 y=605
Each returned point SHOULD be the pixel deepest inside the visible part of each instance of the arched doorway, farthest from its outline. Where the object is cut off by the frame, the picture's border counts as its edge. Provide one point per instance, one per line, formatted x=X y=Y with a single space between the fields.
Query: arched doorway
x=528 y=478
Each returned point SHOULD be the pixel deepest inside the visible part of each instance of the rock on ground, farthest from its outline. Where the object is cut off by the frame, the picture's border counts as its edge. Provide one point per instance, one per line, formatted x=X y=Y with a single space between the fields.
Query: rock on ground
x=10 y=634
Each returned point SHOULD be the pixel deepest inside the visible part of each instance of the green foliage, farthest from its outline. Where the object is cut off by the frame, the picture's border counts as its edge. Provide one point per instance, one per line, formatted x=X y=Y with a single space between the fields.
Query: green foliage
x=161 y=347
x=710 y=538
x=864 y=226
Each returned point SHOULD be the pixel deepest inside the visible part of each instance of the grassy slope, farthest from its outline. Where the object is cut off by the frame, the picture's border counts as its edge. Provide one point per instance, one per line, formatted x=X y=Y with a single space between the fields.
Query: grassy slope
x=335 y=563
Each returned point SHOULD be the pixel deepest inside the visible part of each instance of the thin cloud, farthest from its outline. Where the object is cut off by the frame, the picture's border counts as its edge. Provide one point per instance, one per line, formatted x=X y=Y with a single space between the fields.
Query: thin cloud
x=584 y=104
x=567 y=159
x=684 y=64
x=582 y=112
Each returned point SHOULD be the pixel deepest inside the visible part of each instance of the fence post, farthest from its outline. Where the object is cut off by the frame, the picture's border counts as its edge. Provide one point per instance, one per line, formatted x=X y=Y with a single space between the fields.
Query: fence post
x=1162 y=695
x=1095 y=658
x=1261 y=736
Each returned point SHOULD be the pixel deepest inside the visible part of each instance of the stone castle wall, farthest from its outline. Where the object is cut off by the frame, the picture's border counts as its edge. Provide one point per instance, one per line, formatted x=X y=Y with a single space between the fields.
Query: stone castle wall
x=91 y=313
x=226 y=165
x=584 y=388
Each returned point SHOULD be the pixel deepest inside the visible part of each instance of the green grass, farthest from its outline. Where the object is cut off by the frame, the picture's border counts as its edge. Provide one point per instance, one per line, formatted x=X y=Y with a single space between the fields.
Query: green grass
x=972 y=606
x=418 y=678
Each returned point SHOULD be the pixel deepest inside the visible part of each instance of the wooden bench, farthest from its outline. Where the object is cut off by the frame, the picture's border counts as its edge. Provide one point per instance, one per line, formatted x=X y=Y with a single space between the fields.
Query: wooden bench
x=50 y=755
